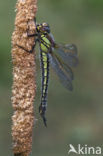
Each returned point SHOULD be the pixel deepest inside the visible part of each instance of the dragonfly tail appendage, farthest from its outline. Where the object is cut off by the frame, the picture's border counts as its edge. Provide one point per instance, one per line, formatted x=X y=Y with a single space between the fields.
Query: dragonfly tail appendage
x=42 y=113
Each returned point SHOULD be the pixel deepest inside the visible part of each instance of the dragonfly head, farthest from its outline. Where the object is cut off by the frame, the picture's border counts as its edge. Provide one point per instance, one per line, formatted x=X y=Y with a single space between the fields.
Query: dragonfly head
x=43 y=28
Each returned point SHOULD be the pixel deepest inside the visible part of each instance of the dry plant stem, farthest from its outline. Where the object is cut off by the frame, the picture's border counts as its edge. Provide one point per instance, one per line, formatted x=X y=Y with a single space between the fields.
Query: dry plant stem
x=23 y=89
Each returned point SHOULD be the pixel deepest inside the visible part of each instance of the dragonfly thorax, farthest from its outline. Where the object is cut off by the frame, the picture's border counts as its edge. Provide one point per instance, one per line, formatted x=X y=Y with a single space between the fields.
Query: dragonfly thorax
x=45 y=43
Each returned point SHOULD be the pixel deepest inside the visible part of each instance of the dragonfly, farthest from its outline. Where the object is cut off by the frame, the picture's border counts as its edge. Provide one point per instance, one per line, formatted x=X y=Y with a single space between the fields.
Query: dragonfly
x=61 y=57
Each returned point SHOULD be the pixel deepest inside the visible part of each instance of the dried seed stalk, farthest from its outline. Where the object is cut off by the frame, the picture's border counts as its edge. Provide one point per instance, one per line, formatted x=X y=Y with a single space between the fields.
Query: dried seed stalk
x=23 y=89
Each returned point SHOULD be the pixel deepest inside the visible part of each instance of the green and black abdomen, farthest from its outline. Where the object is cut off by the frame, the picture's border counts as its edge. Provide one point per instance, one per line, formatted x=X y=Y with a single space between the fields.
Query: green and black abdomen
x=44 y=48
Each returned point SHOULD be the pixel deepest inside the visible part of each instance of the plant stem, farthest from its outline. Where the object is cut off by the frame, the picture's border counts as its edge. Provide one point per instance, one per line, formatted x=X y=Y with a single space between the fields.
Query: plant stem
x=23 y=89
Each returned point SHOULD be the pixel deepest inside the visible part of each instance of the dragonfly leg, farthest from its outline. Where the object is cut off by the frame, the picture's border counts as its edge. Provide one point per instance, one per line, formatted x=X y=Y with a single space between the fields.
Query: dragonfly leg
x=31 y=35
x=35 y=19
x=29 y=51
x=18 y=154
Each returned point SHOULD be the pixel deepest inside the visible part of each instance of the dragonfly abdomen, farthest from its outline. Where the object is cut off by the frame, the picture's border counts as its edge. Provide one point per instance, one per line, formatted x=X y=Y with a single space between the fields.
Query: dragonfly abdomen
x=45 y=78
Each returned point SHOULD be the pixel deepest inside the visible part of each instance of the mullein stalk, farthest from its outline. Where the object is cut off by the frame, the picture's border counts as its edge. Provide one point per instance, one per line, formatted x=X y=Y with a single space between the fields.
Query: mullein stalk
x=23 y=89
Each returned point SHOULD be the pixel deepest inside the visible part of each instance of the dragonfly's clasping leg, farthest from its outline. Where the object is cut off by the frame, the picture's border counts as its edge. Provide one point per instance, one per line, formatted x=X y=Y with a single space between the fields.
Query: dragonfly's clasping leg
x=29 y=51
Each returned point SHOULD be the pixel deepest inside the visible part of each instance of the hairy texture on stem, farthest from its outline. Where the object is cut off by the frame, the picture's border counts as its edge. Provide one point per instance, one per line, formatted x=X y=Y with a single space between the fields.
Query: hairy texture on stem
x=23 y=89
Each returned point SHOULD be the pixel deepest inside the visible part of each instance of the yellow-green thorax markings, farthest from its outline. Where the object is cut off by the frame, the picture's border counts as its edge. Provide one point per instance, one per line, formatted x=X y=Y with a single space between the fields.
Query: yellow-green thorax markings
x=45 y=43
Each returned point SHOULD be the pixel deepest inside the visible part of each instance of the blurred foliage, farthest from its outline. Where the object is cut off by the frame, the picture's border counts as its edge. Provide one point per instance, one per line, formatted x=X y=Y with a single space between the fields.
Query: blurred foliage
x=75 y=117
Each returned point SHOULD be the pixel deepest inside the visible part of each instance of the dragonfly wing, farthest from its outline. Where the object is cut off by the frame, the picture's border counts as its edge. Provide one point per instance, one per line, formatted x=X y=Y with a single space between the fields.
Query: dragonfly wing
x=65 y=74
x=68 y=54
x=64 y=66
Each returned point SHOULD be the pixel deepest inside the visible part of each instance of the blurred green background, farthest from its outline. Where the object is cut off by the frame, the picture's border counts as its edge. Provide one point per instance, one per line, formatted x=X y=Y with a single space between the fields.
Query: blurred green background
x=73 y=118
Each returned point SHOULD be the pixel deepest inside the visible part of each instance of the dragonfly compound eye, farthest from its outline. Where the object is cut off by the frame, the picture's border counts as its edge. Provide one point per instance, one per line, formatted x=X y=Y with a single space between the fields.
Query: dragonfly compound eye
x=46 y=27
x=45 y=24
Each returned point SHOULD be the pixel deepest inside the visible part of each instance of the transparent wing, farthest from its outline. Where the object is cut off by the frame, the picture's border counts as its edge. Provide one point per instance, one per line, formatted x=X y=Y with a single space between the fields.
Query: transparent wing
x=68 y=54
x=64 y=73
